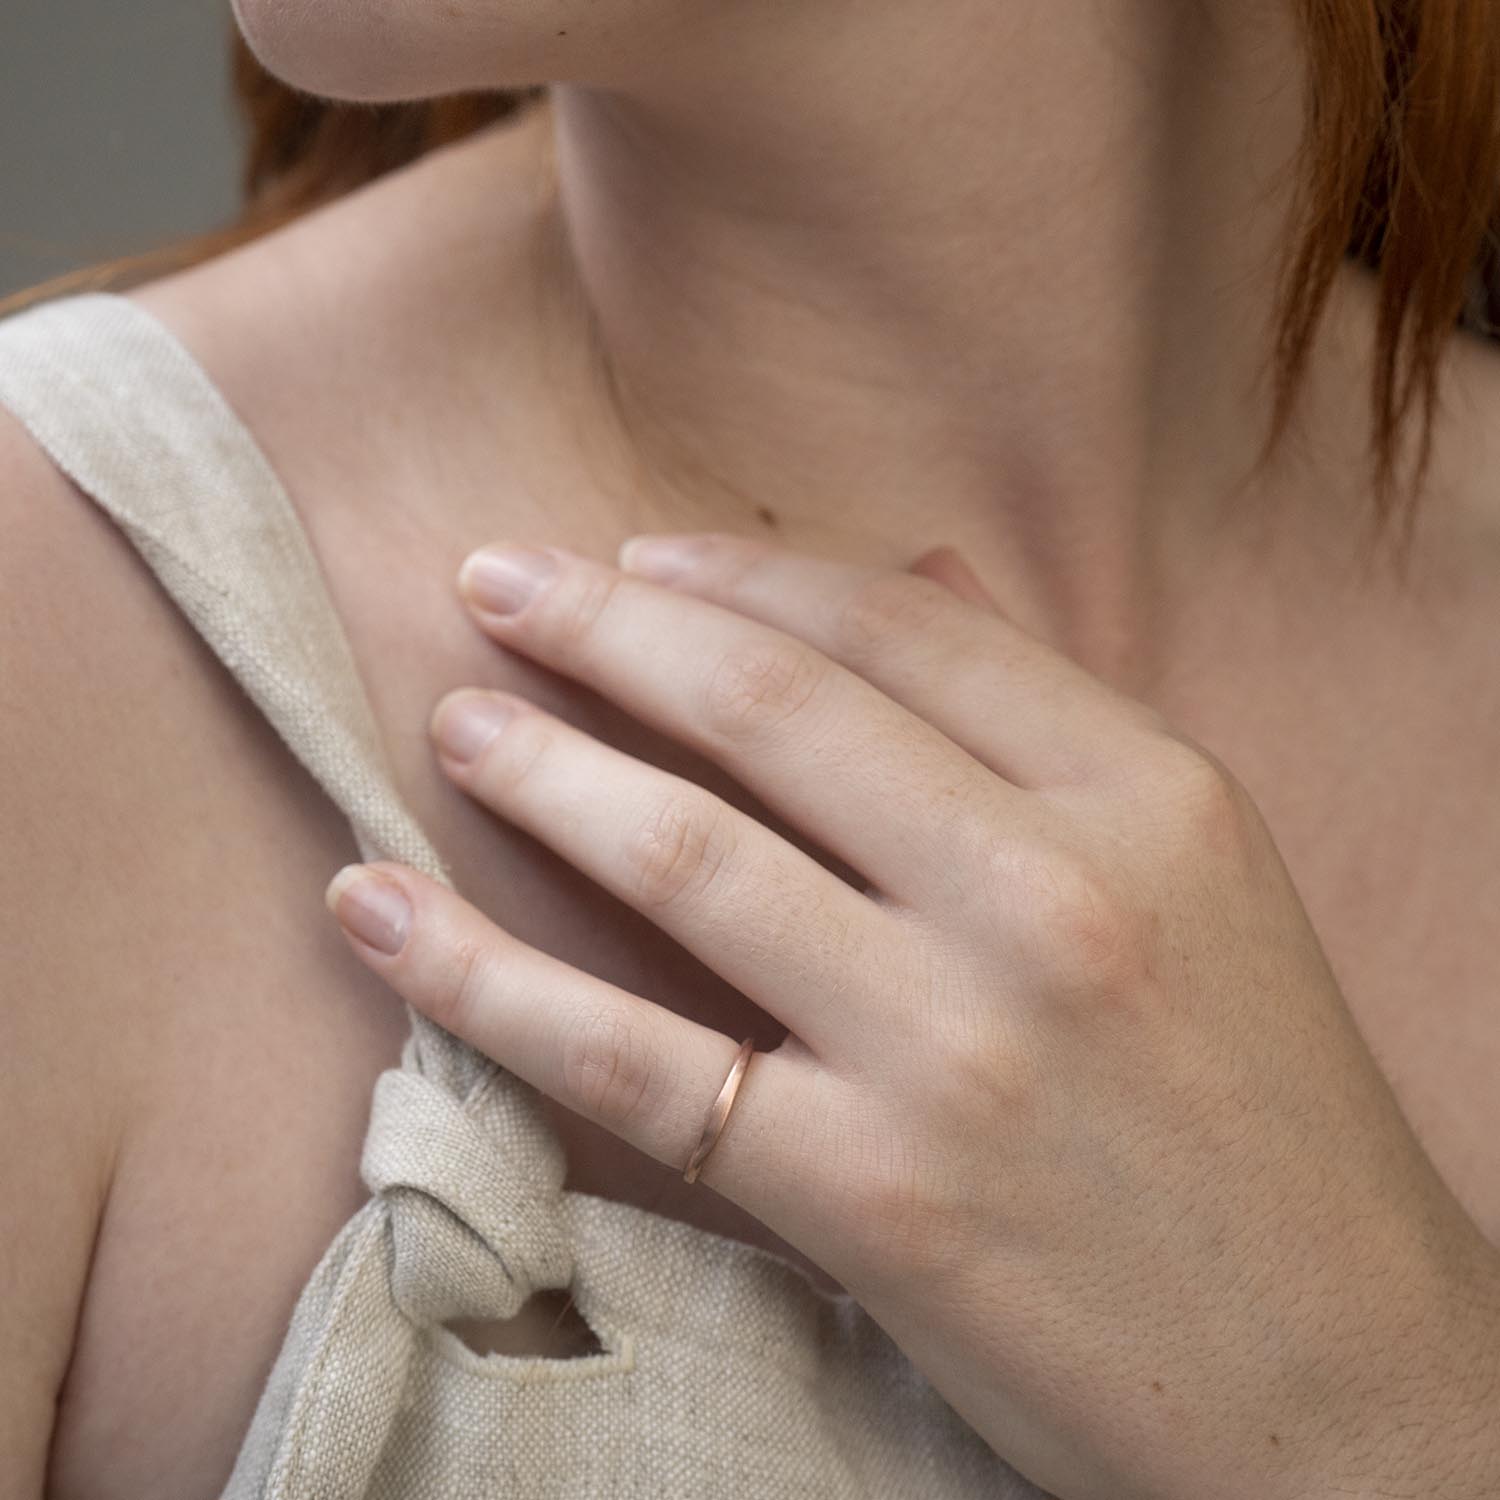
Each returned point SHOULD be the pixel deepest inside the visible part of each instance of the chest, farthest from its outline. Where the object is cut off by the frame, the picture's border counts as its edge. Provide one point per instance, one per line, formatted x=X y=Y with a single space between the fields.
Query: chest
x=1373 y=752
x=1388 y=822
x=1397 y=859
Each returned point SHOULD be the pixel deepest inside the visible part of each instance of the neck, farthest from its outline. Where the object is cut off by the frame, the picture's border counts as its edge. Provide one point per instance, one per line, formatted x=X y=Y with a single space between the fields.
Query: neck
x=966 y=274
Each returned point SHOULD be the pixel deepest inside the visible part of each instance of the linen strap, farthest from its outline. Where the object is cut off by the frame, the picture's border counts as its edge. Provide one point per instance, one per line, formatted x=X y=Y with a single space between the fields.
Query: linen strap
x=131 y=417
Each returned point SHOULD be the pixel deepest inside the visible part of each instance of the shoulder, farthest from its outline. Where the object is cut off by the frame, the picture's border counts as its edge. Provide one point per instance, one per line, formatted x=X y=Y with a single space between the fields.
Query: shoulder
x=161 y=976
x=60 y=1104
x=172 y=995
x=74 y=695
x=373 y=289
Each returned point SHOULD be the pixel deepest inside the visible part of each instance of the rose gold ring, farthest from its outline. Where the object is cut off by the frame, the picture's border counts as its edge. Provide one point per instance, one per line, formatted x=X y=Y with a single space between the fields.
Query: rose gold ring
x=720 y=1111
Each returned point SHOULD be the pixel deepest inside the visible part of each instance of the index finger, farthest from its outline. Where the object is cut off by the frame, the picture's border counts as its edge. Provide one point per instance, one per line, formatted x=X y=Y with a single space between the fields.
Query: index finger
x=1028 y=711
x=890 y=795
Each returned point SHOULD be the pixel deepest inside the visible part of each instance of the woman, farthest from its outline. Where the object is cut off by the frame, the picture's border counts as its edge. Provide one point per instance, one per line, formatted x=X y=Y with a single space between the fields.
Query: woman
x=1074 y=1101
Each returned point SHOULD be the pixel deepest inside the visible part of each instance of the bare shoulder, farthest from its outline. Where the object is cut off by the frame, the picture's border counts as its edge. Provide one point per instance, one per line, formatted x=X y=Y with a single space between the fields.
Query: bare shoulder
x=168 y=975
x=116 y=740
x=352 y=312
x=59 y=1114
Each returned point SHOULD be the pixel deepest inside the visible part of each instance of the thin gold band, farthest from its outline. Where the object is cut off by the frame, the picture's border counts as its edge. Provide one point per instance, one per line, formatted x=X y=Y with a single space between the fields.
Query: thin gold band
x=720 y=1111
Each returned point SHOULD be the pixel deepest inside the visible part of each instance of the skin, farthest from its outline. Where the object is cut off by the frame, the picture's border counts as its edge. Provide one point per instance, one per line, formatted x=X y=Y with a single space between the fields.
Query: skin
x=1061 y=219
x=1077 y=405
x=1077 y=988
x=1087 y=439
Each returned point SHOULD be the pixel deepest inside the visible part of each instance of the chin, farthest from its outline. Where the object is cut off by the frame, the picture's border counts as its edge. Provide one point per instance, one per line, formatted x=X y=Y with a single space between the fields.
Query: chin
x=381 y=51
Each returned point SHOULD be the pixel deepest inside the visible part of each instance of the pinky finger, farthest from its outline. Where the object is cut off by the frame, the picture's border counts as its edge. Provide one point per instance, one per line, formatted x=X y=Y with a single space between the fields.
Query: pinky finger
x=635 y=1067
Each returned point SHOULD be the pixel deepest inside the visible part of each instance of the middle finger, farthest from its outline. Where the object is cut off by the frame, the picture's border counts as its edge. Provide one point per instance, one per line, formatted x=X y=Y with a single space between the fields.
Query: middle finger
x=885 y=791
x=792 y=936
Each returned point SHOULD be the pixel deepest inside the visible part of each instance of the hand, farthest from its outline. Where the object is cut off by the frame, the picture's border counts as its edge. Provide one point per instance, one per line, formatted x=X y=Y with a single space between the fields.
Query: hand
x=1070 y=1099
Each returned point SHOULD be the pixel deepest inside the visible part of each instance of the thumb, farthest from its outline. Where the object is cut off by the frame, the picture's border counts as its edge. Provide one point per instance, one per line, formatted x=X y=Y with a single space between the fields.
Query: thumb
x=946 y=565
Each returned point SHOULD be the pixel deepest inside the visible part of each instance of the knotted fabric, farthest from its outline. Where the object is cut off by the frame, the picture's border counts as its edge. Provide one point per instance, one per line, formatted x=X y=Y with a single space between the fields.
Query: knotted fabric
x=473 y=1198
x=722 y=1370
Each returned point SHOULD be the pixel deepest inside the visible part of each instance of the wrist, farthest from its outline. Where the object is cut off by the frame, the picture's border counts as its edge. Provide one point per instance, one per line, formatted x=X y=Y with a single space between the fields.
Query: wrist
x=1421 y=1414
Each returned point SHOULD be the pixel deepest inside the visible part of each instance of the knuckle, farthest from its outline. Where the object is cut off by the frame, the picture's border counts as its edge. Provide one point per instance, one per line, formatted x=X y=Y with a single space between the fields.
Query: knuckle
x=1081 y=927
x=759 y=686
x=574 y=612
x=609 y=1066
x=1205 y=808
x=677 y=851
x=510 y=757
x=468 y=982
x=892 y=1205
x=982 y=1069
x=907 y=1205
x=886 y=610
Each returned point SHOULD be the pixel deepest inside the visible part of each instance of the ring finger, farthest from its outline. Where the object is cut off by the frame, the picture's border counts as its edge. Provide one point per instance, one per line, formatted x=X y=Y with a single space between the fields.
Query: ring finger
x=768 y=918
x=638 y=1069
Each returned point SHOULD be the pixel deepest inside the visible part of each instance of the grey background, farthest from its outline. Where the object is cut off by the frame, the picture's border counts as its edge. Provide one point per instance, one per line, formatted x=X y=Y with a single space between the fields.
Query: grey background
x=116 y=129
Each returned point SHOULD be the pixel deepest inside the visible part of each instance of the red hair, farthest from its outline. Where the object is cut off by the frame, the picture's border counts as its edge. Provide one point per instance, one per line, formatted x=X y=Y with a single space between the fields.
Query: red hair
x=1399 y=166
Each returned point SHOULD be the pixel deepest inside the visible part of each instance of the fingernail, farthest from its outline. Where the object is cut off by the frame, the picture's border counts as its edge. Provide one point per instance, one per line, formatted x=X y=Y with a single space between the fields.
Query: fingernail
x=465 y=722
x=660 y=557
x=371 y=907
x=499 y=580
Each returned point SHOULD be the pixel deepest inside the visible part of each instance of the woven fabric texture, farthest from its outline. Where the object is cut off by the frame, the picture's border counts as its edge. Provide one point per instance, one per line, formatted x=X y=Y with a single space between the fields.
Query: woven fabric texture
x=724 y=1371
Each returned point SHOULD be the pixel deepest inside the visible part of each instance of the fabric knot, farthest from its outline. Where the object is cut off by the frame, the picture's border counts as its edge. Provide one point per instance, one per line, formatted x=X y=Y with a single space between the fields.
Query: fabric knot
x=474 y=1191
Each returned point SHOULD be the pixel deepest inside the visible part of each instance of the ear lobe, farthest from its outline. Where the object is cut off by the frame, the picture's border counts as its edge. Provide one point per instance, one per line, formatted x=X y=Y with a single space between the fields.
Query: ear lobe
x=946 y=565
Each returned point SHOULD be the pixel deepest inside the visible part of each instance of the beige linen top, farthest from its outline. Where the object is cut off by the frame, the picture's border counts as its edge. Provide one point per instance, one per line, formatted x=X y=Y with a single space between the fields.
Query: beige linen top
x=724 y=1371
